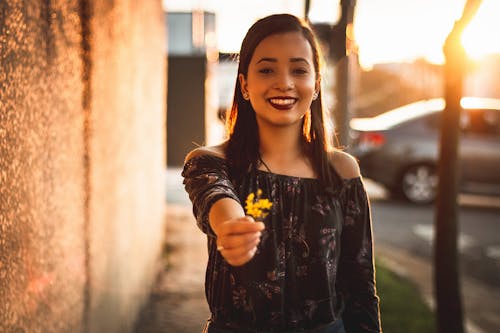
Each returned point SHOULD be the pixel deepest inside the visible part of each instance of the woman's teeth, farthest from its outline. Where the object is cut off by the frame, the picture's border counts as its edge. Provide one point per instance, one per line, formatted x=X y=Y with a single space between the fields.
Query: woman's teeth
x=282 y=101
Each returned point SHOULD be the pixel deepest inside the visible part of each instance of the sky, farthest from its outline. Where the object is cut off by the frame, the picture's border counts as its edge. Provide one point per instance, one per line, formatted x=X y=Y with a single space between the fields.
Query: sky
x=385 y=30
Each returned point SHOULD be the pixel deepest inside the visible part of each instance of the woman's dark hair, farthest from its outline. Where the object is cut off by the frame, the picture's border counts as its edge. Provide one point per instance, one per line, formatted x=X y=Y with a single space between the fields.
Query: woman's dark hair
x=242 y=148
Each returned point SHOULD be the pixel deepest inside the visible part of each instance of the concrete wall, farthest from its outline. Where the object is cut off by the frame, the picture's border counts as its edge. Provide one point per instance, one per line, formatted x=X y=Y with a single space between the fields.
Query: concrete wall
x=82 y=90
x=127 y=149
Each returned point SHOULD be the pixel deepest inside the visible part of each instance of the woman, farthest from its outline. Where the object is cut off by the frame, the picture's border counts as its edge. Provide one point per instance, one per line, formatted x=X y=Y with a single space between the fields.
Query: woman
x=286 y=215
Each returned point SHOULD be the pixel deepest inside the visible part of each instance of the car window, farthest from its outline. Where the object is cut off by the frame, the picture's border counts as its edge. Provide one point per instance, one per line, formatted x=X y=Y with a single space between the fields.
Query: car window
x=432 y=121
x=483 y=122
x=492 y=118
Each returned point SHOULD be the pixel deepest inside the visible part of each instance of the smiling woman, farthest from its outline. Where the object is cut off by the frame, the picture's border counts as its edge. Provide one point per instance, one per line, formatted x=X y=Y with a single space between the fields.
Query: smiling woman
x=302 y=258
x=281 y=82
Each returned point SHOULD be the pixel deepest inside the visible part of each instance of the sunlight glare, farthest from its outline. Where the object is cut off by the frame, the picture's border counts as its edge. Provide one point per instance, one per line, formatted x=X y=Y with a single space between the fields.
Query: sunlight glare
x=480 y=38
x=399 y=31
x=385 y=30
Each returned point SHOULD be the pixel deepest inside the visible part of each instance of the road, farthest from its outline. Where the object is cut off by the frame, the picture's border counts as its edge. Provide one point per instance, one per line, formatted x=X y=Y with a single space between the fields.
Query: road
x=410 y=229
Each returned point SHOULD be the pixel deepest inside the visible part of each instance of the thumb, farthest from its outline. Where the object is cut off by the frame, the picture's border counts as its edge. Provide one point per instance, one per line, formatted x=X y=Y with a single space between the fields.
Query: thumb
x=259 y=224
x=248 y=218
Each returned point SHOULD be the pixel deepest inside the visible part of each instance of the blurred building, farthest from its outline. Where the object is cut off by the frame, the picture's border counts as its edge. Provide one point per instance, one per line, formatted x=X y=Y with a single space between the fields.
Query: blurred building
x=390 y=85
x=192 y=95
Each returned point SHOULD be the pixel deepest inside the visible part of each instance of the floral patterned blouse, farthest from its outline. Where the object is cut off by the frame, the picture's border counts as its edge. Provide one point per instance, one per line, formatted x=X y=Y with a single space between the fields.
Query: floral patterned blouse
x=314 y=263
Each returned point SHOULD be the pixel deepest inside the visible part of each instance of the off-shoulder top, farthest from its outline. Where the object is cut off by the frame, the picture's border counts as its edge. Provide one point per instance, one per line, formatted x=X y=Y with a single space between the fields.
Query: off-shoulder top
x=314 y=263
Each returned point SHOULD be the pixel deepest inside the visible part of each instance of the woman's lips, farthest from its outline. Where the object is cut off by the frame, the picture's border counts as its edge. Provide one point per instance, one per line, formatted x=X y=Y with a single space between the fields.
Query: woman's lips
x=282 y=103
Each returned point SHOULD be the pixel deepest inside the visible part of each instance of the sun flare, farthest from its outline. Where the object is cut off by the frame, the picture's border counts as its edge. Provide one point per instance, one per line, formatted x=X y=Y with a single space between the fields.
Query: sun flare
x=480 y=38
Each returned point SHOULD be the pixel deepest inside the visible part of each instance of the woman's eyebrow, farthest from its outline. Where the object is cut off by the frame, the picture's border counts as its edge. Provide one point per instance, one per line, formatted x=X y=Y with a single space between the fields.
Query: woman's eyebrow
x=268 y=59
x=298 y=59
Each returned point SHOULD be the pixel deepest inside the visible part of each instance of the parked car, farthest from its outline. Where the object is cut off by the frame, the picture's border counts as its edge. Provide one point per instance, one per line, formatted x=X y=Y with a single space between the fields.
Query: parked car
x=400 y=148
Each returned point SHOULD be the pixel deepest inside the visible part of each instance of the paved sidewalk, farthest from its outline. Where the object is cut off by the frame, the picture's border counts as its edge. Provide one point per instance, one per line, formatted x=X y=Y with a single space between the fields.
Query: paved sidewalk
x=177 y=303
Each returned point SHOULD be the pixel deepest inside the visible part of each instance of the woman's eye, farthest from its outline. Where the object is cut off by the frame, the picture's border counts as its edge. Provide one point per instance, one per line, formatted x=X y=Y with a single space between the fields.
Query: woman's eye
x=300 y=71
x=265 y=70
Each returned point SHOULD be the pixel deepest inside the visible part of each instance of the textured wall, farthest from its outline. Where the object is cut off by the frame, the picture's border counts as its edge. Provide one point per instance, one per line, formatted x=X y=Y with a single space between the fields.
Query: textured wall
x=81 y=162
x=127 y=156
x=41 y=168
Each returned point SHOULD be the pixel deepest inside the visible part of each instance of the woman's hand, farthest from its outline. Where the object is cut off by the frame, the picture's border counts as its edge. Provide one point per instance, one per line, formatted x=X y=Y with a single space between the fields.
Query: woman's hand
x=237 y=239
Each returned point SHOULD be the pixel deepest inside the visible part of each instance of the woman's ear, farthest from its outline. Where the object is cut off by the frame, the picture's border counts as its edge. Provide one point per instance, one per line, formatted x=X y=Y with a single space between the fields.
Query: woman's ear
x=243 y=85
x=317 y=85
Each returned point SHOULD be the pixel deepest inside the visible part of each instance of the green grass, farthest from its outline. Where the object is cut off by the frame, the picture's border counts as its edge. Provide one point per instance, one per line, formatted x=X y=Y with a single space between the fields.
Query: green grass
x=402 y=309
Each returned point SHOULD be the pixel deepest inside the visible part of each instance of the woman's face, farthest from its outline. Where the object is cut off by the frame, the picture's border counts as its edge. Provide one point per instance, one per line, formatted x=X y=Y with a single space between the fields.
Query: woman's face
x=281 y=80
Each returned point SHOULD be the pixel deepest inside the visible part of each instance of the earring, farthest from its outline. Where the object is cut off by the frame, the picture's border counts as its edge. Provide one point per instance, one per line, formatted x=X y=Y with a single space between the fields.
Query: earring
x=246 y=96
x=315 y=96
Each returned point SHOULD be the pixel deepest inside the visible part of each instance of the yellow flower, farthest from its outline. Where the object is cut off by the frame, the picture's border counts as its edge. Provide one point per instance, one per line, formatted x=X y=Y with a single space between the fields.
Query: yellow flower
x=256 y=207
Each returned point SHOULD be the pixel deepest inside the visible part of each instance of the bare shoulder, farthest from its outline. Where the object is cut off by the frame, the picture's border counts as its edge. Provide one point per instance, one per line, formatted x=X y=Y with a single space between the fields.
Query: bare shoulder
x=345 y=164
x=217 y=151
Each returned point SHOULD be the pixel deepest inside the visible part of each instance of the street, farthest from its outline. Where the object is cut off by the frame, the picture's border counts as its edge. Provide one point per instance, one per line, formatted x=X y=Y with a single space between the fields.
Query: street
x=409 y=228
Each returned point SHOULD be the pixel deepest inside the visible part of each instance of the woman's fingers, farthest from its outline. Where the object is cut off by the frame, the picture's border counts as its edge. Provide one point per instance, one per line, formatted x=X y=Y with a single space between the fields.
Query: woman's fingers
x=240 y=255
x=239 y=226
x=237 y=240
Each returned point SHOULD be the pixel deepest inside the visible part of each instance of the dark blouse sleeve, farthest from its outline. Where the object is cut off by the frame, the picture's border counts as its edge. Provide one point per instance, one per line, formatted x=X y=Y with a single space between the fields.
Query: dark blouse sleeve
x=206 y=180
x=357 y=279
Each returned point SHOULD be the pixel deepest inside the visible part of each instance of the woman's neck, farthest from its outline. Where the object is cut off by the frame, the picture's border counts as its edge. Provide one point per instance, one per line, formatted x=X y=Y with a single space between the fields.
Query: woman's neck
x=282 y=151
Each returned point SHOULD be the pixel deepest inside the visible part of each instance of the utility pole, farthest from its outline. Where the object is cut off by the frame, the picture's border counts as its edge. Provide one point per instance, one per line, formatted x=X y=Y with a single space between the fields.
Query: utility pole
x=342 y=73
x=307 y=6
x=446 y=272
x=339 y=39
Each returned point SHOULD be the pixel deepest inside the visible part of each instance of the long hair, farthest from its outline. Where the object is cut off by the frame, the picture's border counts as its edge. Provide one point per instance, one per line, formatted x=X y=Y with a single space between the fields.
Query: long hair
x=242 y=149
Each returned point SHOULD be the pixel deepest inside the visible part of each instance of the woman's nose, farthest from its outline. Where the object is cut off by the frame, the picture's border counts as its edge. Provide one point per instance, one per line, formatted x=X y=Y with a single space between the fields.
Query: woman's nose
x=284 y=82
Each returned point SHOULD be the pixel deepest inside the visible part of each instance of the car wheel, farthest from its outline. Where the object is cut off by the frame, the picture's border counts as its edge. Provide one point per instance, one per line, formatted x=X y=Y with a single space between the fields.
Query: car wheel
x=419 y=183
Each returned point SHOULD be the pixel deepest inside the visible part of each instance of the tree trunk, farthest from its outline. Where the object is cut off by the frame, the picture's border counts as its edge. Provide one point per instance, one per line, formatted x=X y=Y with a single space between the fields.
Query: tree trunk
x=449 y=304
x=446 y=271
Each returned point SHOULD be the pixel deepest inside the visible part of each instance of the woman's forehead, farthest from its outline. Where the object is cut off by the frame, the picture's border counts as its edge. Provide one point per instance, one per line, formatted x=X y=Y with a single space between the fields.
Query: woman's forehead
x=282 y=46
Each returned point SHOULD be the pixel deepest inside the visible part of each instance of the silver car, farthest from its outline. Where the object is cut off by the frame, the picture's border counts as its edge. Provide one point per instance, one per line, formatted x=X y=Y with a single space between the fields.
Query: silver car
x=400 y=148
